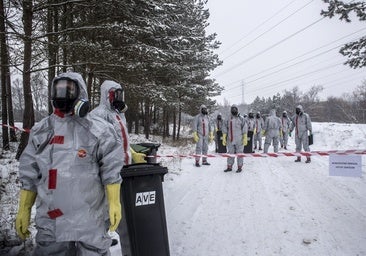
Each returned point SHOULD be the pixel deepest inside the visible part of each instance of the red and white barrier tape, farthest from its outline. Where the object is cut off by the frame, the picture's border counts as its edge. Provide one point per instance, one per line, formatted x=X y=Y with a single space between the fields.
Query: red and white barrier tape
x=312 y=153
x=16 y=128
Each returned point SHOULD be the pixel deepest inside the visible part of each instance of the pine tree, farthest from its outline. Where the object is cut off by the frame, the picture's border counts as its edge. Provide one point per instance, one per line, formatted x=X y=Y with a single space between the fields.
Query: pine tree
x=354 y=51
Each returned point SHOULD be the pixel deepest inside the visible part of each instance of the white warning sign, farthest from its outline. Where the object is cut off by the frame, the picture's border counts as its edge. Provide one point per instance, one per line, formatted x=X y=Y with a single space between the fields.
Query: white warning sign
x=349 y=166
x=145 y=198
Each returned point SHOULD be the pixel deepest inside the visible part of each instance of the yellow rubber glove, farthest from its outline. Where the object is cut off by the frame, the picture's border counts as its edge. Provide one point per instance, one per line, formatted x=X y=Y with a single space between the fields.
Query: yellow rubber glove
x=281 y=133
x=211 y=137
x=224 y=139
x=137 y=157
x=263 y=133
x=255 y=131
x=195 y=137
x=245 y=139
x=26 y=201
x=115 y=212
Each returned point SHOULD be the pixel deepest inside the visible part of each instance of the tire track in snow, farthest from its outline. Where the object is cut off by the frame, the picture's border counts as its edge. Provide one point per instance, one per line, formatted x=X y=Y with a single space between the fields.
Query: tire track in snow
x=268 y=209
x=313 y=197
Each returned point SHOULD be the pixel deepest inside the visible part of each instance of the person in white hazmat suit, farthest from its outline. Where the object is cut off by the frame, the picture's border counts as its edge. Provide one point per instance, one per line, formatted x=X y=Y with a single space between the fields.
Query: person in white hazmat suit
x=251 y=131
x=235 y=137
x=301 y=122
x=272 y=130
x=219 y=148
x=286 y=126
x=259 y=123
x=71 y=168
x=112 y=108
x=202 y=134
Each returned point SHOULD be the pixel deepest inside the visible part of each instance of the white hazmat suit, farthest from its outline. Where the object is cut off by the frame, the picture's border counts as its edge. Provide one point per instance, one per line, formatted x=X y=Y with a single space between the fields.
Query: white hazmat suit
x=272 y=127
x=117 y=119
x=68 y=164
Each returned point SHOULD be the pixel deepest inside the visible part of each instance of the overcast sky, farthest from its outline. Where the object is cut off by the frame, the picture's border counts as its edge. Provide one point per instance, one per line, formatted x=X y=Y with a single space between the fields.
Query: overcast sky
x=274 y=45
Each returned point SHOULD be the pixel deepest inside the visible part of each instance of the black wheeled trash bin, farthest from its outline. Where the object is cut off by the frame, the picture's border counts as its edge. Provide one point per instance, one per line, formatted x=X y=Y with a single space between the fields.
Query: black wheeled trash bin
x=143 y=202
x=249 y=147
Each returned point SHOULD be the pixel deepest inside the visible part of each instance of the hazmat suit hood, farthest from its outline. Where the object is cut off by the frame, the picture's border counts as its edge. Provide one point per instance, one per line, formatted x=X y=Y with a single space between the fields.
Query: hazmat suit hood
x=107 y=112
x=203 y=109
x=104 y=92
x=234 y=110
x=300 y=107
x=79 y=106
x=77 y=78
x=234 y=106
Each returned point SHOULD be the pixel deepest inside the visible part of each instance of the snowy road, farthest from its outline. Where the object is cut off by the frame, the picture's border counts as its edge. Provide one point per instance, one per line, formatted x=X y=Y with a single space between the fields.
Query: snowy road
x=274 y=207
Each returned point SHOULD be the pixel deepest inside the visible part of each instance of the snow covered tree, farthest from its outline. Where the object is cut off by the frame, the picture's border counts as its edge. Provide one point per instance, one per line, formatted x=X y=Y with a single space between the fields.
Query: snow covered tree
x=258 y=104
x=359 y=101
x=355 y=51
x=157 y=49
x=177 y=60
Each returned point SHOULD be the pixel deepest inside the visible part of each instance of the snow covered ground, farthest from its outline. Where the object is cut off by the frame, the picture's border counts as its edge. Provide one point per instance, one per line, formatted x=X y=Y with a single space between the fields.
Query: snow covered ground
x=274 y=207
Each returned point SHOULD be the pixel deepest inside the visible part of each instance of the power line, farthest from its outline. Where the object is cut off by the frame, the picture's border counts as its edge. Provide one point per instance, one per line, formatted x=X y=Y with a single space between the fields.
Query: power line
x=309 y=53
x=278 y=84
x=296 y=77
x=297 y=57
x=268 y=30
x=335 y=82
x=289 y=66
x=299 y=76
x=325 y=85
x=253 y=30
x=339 y=82
x=269 y=48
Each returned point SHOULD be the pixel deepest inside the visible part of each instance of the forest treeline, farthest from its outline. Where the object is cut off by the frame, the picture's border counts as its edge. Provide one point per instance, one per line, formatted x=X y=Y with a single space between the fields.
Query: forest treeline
x=158 y=50
x=348 y=108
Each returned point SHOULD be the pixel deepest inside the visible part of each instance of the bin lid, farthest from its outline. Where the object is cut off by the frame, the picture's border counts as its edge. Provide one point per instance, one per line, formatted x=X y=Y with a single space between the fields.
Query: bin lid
x=149 y=145
x=143 y=169
x=140 y=148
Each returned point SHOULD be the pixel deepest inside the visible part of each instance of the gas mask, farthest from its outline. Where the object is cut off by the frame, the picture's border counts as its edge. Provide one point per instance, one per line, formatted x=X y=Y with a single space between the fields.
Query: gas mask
x=65 y=97
x=298 y=111
x=219 y=117
x=284 y=115
x=204 y=111
x=234 y=111
x=251 y=115
x=117 y=99
x=258 y=115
